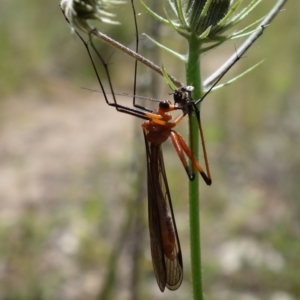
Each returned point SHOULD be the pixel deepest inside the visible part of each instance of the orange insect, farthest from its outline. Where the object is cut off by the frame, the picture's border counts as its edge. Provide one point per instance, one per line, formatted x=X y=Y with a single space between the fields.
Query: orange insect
x=165 y=245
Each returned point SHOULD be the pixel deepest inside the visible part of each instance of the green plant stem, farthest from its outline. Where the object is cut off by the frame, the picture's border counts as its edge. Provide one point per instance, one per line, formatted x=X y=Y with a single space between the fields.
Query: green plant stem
x=194 y=79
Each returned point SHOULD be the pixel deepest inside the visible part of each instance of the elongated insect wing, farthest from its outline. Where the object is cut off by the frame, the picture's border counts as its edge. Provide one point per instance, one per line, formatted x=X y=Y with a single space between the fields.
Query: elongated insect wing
x=165 y=246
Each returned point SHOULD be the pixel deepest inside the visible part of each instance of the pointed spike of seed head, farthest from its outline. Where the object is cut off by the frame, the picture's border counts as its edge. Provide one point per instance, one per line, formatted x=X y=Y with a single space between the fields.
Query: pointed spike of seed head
x=216 y=12
x=206 y=13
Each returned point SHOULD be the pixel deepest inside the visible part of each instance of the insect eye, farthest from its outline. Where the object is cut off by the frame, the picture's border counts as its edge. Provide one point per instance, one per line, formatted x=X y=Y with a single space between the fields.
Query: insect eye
x=164 y=104
x=177 y=96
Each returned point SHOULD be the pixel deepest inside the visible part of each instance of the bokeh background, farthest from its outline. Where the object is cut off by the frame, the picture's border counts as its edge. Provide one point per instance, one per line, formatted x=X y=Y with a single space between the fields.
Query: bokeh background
x=73 y=201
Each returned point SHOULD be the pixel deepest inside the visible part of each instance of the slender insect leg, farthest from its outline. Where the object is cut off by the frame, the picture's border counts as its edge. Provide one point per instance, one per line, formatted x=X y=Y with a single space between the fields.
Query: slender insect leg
x=178 y=148
x=188 y=152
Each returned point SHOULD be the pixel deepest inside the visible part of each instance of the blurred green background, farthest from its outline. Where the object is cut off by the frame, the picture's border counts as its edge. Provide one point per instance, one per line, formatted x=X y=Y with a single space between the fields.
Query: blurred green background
x=73 y=203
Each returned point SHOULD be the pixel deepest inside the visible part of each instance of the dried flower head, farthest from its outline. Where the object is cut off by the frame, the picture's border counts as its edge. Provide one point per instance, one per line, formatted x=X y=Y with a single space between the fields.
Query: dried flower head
x=78 y=12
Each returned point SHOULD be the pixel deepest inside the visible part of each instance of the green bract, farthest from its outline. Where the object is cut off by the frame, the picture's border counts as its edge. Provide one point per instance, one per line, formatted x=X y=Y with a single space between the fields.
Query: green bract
x=206 y=20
